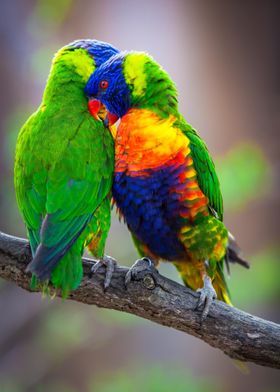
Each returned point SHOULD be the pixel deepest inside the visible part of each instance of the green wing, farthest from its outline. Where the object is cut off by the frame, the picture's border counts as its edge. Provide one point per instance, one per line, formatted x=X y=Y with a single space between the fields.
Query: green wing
x=206 y=172
x=30 y=177
x=78 y=177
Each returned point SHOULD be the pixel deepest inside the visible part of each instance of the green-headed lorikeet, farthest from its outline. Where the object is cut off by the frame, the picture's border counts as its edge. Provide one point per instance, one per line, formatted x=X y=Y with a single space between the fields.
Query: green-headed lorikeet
x=63 y=170
x=165 y=183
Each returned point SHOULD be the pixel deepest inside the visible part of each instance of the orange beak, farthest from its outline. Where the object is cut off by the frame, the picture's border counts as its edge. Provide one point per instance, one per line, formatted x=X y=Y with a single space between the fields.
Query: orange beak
x=94 y=106
x=98 y=111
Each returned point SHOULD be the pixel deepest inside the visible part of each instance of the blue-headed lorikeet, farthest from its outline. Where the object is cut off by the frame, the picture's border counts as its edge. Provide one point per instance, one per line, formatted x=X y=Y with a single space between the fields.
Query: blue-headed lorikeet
x=165 y=183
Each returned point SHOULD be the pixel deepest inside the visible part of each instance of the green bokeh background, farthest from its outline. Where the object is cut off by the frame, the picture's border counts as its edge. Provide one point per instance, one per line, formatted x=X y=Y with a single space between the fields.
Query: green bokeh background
x=222 y=56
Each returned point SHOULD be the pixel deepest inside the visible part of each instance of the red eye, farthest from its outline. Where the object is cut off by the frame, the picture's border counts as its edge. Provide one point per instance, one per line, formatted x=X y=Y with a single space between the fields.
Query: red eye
x=103 y=84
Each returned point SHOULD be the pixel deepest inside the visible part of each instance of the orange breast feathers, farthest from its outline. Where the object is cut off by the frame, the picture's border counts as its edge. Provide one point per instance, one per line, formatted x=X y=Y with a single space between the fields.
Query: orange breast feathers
x=145 y=141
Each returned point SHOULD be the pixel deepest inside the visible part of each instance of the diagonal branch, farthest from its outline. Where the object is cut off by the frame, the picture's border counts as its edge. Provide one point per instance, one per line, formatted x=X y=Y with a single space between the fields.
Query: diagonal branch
x=156 y=298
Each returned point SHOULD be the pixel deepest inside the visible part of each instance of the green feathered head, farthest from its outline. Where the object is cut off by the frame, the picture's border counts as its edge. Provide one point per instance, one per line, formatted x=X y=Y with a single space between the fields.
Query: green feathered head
x=73 y=64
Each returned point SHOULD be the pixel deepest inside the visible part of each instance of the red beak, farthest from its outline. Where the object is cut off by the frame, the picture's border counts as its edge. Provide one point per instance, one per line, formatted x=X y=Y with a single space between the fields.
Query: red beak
x=112 y=118
x=94 y=107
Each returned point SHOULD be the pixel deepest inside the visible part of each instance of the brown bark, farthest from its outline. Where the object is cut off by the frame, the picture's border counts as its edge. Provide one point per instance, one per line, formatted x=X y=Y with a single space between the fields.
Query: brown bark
x=238 y=334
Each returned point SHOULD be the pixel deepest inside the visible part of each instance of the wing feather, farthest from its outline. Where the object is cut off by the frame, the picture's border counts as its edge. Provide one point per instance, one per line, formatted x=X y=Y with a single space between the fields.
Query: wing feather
x=206 y=172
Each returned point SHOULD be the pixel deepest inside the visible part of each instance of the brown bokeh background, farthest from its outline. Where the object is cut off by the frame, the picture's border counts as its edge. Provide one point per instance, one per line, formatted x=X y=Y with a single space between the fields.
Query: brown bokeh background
x=224 y=58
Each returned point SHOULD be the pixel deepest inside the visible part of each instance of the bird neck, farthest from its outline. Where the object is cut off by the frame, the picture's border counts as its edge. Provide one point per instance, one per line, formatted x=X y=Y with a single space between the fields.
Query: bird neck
x=155 y=91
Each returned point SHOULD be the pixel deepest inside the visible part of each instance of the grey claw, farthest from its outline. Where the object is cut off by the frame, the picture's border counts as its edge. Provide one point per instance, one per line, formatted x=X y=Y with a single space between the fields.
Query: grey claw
x=140 y=265
x=128 y=277
x=207 y=296
x=110 y=264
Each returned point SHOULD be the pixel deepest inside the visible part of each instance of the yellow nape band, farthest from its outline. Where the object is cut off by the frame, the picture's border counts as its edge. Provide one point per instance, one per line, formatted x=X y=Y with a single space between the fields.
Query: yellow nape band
x=134 y=71
x=113 y=130
x=79 y=58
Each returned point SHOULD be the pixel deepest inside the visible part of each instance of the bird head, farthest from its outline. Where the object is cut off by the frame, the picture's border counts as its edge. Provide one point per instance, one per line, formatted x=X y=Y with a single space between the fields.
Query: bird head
x=131 y=80
x=84 y=56
x=72 y=66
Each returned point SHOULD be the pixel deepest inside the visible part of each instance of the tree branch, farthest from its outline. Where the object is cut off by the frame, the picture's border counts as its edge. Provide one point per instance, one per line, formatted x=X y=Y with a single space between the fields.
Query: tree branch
x=156 y=298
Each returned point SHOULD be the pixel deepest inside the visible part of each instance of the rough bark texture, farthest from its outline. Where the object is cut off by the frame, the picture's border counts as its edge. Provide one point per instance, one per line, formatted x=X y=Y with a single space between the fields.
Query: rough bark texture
x=156 y=298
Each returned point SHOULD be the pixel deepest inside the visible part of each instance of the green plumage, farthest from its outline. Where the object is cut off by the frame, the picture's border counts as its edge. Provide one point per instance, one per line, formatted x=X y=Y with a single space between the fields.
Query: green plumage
x=63 y=174
x=205 y=169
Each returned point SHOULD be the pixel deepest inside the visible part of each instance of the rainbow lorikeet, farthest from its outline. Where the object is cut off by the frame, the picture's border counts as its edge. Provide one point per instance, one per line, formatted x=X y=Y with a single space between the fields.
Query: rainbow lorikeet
x=165 y=183
x=64 y=169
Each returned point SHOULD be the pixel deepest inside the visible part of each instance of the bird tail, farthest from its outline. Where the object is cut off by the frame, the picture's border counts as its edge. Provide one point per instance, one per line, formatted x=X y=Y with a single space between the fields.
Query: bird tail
x=65 y=275
x=220 y=284
x=68 y=273
x=234 y=254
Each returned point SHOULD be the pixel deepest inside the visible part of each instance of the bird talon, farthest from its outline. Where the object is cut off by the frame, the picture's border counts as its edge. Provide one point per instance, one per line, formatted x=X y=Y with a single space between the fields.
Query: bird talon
x=201 y=299
x=207 y=296
x=128 y=278
x=140 y=265
x=96 y=267
x=110 y=265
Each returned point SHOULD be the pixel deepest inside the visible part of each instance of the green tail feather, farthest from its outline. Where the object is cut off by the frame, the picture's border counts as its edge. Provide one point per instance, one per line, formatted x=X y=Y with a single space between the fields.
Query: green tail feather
x=68 y=273
x=220 y=284
x=44 y=287
x=34 y=284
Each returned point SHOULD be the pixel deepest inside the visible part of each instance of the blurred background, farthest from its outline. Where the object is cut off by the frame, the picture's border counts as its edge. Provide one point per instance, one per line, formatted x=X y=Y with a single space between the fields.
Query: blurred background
x=224 y=58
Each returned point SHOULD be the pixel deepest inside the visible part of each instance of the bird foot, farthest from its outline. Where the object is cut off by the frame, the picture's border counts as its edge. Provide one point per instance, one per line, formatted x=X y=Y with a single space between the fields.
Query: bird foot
x=110 y=265
x=140 y=265
x=207 y=295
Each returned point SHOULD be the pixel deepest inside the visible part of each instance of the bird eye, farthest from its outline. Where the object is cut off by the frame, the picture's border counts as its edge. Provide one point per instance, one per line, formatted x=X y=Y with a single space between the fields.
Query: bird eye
x=103 y=84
